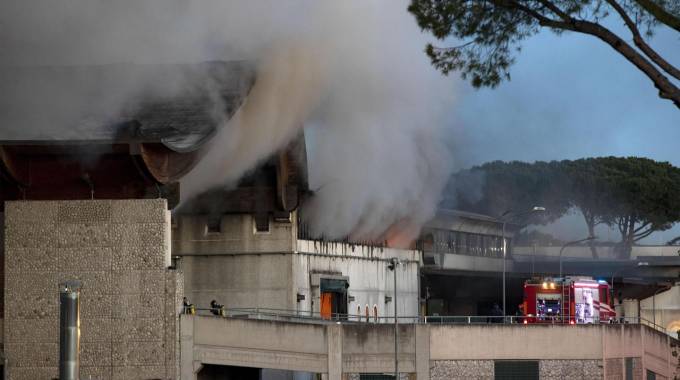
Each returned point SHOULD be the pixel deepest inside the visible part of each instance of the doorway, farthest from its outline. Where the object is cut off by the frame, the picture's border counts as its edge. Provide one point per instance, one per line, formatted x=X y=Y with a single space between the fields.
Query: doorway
x=333 y=298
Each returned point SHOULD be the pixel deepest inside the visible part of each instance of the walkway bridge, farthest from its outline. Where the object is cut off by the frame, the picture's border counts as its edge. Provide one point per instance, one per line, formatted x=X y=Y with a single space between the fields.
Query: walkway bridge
x=649 y=263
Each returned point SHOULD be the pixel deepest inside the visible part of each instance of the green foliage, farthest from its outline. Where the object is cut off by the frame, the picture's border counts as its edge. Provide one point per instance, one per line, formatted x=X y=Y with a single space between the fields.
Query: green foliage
x=513 y=186
x=490 y=32
x=638 y=196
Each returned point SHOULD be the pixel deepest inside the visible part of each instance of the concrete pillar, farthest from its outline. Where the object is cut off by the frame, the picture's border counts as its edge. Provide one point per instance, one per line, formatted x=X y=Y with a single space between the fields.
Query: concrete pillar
x=422 y=352
x=186 y=354
x=334 y=339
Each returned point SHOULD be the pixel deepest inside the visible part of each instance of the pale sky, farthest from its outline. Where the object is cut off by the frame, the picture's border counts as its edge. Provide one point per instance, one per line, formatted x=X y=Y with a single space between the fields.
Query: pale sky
x=571 y=96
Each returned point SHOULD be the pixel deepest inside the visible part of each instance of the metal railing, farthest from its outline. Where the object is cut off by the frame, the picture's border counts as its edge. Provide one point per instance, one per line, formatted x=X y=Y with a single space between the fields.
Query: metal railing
x=306 y=316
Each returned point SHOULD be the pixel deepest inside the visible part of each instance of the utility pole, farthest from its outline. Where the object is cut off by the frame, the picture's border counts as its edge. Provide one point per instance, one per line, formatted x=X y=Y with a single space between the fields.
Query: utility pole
x=504 y=219
x=505 y=249
x=393 y=266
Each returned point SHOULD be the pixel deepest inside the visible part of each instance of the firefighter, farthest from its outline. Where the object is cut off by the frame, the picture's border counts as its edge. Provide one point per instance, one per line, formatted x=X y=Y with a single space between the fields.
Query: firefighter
x=216 y=308
x=188 y=308
x=519 y=315
x=496 y=311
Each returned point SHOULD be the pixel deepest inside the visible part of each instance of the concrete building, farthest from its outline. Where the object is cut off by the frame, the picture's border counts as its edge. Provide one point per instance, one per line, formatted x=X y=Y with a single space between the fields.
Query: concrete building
x=96 y=208
x=120 y=251
x=85 y=194
x=246 y=248
x=663 y=309
x=463 y=264
x=242 y=267
x=430 y=351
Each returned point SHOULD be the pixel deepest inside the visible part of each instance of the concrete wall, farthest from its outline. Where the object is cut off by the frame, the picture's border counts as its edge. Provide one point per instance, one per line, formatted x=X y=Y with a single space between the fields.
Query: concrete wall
x=366 y=270
x=244 y=269
x=461 y=369
x=477 y=342
x=547 y=369
x=239 y=281
x=429 y=351
x=369 y=348
x=664 y=309
x=190 y=236
x=129 y=300
x=471 y=263
x=237 y=266
x=234 y=342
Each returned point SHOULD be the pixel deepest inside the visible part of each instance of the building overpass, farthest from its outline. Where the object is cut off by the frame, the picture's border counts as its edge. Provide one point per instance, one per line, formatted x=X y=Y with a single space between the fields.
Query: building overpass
x=426 y=351
x=648 y=262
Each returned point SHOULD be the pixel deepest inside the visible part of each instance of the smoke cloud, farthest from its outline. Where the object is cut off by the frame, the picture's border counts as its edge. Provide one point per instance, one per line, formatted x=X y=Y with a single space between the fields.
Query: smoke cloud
x=351 y=73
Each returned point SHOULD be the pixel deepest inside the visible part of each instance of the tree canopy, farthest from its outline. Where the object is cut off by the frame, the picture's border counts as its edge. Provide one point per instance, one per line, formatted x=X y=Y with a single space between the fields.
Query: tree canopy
x=498 y=187
x=636 y=196
x=490 y=32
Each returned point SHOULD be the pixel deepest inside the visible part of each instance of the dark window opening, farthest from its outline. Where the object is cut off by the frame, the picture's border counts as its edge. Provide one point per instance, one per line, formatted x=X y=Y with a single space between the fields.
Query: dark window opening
x=375 y=376
x=261 y=223
x=515 y=370
x=630 y=365
x=214 y=224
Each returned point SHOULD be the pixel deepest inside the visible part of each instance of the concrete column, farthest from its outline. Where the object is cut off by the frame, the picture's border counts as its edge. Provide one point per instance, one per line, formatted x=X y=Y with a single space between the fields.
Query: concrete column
x=334 y=338
x=642 y=351
x=604 y=352
x=623 y=344
x=422 y=352
x=186 y=355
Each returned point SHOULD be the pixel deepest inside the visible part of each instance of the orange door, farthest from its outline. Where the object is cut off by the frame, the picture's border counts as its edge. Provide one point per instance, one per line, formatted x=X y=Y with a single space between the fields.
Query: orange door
x=326 y=305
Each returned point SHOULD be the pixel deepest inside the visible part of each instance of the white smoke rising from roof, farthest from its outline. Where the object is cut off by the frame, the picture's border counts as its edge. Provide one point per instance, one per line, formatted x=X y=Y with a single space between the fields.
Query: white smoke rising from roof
x=374 y=112
x=353 y=73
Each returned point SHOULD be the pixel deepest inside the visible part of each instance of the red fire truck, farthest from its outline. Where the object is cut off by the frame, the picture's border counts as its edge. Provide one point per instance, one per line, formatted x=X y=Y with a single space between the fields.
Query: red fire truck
x=569 y=300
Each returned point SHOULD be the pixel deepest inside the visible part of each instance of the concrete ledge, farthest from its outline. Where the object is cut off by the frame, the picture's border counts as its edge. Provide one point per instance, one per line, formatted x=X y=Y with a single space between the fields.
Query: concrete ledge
x=430 y=351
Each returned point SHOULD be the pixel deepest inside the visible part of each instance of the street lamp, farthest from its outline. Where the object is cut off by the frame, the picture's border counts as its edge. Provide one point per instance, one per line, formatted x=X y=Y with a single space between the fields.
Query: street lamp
x=393 y=267
x=611 y=284
x=561 y=278
x=570 y=244
x=504 y=218
x=639 y=264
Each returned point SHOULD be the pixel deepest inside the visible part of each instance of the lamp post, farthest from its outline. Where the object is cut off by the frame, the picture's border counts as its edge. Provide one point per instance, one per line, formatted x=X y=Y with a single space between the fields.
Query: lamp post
x=504 y=218
x=561 y=278
x=639 y=264
x=393 y=267
x=570 y=244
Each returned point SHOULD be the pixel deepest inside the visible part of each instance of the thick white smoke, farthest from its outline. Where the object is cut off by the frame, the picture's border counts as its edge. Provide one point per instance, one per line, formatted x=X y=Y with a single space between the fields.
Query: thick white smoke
x=352 y=73
x=374 y=116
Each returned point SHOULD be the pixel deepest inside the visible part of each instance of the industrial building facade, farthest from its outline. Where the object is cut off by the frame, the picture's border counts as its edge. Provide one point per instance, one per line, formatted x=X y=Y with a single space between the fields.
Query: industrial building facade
x=104 y=209
x=243 y=268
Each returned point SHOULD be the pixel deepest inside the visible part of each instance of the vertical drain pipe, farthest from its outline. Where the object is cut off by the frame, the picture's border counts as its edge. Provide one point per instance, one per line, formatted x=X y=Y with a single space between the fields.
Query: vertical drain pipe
x=69 y=330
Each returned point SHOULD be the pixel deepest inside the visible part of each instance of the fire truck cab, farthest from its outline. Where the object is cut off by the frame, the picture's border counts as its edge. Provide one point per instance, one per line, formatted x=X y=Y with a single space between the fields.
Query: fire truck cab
x=567 y=300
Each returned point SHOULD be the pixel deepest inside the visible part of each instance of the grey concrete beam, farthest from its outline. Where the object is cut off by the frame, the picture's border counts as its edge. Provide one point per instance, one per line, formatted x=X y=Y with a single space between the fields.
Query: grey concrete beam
x=334 y=339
